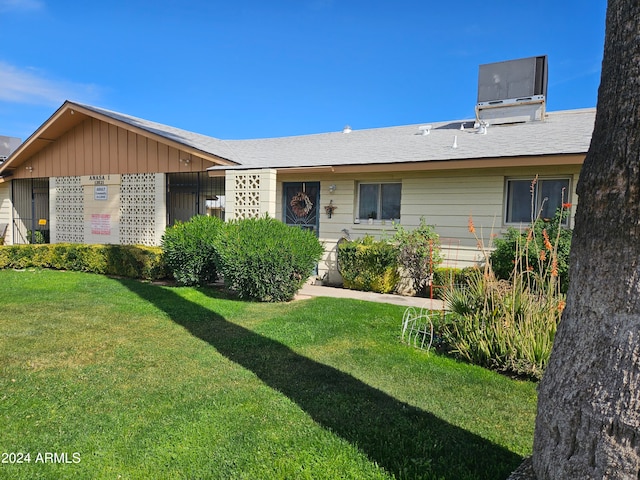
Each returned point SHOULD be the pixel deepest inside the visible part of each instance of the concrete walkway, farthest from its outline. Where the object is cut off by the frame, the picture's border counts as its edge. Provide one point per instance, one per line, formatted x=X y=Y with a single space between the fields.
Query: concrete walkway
x=309 y=291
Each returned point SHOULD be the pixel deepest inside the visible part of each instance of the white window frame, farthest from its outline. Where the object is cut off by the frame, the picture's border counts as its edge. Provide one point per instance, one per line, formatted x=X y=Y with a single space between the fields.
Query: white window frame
x=377 y=220
x=537 y=199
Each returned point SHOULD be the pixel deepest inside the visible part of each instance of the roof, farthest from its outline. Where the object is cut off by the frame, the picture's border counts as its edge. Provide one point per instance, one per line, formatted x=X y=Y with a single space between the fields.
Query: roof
x=71 y=114
x=563 y=132
x=204 y=143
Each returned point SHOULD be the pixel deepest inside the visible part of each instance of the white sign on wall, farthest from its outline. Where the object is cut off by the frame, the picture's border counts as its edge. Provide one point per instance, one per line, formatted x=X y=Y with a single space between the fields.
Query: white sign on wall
x=100 y=192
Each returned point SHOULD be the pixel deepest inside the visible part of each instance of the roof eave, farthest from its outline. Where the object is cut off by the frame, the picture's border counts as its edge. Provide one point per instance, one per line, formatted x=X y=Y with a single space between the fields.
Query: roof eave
x=216 y=159
x=36 y=141
x=571 y=158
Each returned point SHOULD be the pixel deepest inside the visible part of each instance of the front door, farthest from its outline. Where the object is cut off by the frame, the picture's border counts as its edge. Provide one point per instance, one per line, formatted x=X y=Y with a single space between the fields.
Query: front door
x=300 y=206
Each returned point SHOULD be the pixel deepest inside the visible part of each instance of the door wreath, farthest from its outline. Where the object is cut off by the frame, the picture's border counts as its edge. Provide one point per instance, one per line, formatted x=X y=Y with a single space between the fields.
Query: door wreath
x=301 y=204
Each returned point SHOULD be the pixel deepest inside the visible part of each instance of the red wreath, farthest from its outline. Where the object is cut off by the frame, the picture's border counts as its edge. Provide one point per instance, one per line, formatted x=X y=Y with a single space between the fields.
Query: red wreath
x=301 y=204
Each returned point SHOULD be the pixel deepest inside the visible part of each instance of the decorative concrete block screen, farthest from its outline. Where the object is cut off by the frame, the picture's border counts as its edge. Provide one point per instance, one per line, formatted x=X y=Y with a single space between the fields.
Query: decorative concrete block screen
x=247 y=195
x=68 y=210
x=139 y=194
x=250 y=193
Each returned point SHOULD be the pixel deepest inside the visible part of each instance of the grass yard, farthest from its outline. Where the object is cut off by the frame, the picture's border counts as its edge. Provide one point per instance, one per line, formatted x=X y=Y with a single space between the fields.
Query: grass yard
x=109 y=378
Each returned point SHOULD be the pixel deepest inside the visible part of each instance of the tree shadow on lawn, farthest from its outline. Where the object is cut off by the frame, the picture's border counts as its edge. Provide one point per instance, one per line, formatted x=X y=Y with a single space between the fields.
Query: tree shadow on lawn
x=406 y=441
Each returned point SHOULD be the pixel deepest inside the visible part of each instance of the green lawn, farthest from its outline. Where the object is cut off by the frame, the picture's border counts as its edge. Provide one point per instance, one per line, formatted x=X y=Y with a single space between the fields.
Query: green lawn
x=141 y=381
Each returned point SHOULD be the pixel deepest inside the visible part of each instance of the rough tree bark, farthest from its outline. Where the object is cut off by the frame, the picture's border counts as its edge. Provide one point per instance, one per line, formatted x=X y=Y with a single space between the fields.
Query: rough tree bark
x=588 y=421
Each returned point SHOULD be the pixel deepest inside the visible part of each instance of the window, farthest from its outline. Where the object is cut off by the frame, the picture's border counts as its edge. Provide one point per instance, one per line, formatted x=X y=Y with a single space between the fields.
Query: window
x=194 y=193
x=548 y=196
x=379 y=201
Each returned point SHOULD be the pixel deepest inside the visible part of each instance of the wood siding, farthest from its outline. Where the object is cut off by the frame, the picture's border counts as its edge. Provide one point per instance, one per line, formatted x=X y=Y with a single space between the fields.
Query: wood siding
x=95 y=147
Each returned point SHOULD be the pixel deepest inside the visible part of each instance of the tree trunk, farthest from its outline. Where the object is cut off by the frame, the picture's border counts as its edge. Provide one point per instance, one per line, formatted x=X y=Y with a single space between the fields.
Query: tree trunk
x=588 y=421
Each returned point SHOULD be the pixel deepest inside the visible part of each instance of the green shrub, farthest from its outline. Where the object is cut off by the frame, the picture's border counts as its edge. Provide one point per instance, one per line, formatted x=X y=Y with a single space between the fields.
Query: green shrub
x=191 y=251
x=38 y=236
x=369 y=265
x=529 y=245
x=22 y=256
x=266 y=260
x=134 y=261
x=78 y=257
x=419 y=253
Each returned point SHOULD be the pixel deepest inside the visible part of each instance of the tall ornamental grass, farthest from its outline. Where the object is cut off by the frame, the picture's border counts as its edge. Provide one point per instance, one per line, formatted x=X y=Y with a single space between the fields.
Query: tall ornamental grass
x=509 y=325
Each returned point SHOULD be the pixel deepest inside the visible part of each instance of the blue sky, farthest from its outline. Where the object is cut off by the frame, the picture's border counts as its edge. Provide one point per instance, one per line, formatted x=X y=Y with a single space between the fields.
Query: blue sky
x=254 y=69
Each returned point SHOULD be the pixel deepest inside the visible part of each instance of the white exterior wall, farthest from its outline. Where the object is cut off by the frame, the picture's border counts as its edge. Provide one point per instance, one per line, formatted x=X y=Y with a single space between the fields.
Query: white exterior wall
x=142 y=209
x=250 y=193
x=101 y=222
x=108 y=209
x=6 y=210
x=160 y=180
x=446 y=199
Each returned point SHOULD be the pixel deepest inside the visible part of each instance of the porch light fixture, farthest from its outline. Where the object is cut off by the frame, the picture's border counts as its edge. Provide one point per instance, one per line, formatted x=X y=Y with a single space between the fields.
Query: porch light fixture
x=186 y=161
x=332 y=188
x=30 y=168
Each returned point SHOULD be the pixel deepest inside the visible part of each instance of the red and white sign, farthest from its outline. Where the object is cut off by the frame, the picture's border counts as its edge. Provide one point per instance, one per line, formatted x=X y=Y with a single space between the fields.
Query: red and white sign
x=100 y=224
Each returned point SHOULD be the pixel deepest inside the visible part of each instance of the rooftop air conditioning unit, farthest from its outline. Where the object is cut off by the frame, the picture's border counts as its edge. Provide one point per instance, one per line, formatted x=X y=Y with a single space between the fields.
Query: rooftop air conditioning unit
x=512 y=91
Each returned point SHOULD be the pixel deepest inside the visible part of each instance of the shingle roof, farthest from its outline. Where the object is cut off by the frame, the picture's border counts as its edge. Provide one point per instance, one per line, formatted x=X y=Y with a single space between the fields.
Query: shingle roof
x=563 y=132
x=207 y=144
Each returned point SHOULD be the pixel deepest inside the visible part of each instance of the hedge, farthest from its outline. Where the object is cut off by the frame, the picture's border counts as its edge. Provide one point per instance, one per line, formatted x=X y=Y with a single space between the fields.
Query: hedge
x=133 y=261
x=369 y=265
